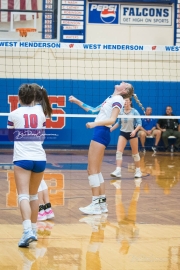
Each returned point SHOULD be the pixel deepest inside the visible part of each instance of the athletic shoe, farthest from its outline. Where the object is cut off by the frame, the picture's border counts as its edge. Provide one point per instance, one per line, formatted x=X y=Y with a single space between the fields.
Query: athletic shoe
x=143 y=150
x=49 y=213
x=103 y=205
x=116 y=173
x=91 y=209
x=138 y=173
x=42 y=215
x=154 y=148
x=35 y=234
x=26 y=238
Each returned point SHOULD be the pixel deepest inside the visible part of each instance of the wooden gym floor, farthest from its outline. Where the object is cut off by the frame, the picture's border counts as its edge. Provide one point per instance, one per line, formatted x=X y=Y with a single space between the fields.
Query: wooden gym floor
x=140 y=232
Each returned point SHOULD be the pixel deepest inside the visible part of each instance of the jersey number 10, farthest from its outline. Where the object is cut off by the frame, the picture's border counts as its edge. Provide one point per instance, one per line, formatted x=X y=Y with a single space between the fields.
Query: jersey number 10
x=31 y=120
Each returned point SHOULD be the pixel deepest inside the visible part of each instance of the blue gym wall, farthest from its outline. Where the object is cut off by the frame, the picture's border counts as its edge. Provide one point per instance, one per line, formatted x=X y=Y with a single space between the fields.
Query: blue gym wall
x=155 y=94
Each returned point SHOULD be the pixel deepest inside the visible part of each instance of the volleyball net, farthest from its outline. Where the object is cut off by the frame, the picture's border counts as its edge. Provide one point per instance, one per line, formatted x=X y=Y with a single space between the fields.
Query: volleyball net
x=88 y=72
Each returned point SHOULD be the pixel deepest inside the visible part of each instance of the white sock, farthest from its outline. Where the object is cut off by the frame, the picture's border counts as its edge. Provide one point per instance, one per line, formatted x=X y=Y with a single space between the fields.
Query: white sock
x=34 y=226
x=118 y=168
x=94 y=198
x=27 y=225
x=102 y=196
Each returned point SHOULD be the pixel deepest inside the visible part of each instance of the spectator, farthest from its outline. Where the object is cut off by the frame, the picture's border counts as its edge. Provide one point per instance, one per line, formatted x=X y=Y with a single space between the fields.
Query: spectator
x=149 y=129
x=169 y=127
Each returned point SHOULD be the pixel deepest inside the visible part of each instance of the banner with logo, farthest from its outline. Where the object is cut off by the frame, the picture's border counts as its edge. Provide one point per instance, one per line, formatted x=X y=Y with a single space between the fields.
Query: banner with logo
x=103 y=13
x=146 y=15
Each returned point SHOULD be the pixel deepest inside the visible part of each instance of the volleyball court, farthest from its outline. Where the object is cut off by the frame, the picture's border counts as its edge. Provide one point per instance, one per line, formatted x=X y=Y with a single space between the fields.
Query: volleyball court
x=90 y=75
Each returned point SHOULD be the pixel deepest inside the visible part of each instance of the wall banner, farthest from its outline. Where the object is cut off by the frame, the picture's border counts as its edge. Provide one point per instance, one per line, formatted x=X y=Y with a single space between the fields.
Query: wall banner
x=146 y=15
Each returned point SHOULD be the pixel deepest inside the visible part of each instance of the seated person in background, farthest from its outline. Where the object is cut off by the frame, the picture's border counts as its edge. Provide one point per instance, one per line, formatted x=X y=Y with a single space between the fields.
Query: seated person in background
x=149 y=129
x=169 y=127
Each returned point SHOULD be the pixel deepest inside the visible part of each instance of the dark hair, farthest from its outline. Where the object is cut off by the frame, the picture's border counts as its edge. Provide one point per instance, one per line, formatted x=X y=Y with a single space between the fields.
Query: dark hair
x=41 y=97
x=26 y=94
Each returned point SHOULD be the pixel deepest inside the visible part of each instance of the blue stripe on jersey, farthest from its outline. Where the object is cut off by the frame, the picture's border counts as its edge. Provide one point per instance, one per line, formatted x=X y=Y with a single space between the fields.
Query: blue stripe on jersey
x=10 y=123
x=117 y=104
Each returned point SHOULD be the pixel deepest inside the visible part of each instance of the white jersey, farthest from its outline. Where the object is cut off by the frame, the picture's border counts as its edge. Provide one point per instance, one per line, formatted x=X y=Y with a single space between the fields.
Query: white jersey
x=108 y=105
x=26 y=117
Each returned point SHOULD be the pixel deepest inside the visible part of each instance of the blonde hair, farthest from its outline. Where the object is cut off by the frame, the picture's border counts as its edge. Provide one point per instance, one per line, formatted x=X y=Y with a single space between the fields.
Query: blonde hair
x=139 y=103
x=130 y=92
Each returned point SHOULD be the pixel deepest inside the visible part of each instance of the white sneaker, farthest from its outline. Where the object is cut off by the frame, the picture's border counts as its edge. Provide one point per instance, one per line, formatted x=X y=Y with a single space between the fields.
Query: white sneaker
x=154 y=148
x=138 y=173
x=103 y=205
x=91 y=209
x=26 y=238
x=35 y=234
x=116 y=173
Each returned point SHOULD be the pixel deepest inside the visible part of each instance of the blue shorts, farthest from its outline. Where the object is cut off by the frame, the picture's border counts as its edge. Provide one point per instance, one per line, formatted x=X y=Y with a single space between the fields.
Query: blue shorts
x=126 y=135
x=30 y=165
x=102 y=135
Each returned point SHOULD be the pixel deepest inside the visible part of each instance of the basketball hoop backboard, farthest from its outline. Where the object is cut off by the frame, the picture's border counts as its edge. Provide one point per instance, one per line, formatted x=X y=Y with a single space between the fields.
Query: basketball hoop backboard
x=45 y=21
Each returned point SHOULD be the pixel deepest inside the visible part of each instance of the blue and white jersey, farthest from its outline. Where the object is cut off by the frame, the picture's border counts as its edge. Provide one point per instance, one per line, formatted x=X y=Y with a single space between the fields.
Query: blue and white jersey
x=108 y=105
x=129 y=124
x=27 y=117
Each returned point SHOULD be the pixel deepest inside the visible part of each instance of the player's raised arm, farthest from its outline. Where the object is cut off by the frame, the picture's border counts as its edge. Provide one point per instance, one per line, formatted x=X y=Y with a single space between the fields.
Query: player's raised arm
x=87 y=108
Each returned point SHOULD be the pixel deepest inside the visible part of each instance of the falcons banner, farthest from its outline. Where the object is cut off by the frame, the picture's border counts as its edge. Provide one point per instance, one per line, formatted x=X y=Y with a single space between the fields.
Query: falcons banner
x=17 y=5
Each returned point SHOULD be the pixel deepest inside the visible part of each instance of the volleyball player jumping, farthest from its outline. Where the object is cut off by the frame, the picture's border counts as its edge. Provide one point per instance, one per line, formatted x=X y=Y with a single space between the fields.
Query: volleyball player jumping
x=108 y=112
x=29 y=156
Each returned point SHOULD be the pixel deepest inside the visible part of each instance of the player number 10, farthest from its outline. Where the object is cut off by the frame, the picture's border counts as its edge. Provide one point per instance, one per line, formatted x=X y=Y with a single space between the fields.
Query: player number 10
x=31 y=120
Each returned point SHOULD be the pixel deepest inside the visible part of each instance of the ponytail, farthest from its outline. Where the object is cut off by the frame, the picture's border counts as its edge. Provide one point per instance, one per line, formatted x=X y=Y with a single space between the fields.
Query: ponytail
x=46 y=104
x=138 y=102
x=41 y=97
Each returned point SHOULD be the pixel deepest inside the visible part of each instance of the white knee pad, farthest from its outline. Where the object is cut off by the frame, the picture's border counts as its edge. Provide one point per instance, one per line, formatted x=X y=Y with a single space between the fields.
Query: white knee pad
x=101 y=179
x=33 y=197
x=136 y=157
x=23 y=197
x=119 y=155
x=94 y=180
x=42 y=186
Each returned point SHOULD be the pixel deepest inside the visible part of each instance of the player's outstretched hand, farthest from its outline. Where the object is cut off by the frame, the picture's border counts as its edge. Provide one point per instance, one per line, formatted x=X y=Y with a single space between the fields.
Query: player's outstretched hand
x=73 y=99
x=90 y=124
